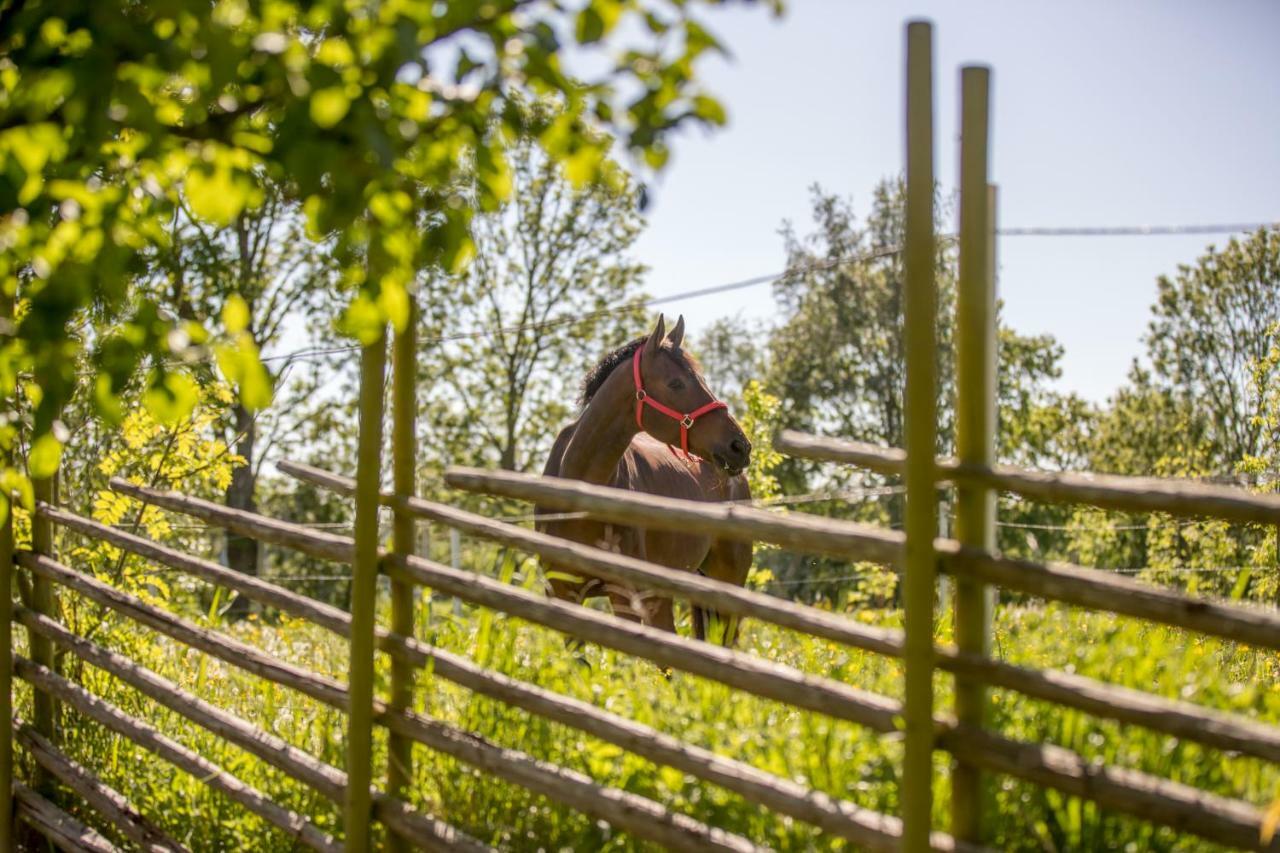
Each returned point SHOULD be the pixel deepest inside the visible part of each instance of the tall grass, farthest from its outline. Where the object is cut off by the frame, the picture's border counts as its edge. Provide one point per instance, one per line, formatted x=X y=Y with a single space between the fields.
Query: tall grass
x=838 y=758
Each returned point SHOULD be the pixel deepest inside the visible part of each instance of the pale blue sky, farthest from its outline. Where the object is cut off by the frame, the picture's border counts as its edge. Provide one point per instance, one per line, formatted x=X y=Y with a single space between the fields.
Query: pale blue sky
x=1105 y=113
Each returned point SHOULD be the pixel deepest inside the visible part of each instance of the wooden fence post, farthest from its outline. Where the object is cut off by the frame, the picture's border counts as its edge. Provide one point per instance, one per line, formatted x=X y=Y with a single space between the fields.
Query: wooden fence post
x=403 y=462
x=6 y=627
x=920 y=334
x=975 y=337
x=364 y=591
x=44 y=601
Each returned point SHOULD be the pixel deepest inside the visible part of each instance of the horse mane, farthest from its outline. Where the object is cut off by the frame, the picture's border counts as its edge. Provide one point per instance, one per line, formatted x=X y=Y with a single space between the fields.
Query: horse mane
x=597 y=375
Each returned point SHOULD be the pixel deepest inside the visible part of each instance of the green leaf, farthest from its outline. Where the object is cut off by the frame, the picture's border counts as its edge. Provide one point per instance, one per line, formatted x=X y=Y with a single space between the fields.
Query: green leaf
x=235 y=314
x=46 y=453
x=596 y=20
x=709 y=110
x=172 y=399
x=590 y=26
x=329 y=106
x=215 y=195
x=243 y=368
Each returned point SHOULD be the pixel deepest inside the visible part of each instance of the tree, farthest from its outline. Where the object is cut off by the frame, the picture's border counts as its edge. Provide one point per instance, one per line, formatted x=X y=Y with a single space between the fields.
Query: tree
x=1201 y=405
x=367 y=113
x=1209 y=332
x=838 y=360
x=259 y=273
x=551 y=289
x=732 y=357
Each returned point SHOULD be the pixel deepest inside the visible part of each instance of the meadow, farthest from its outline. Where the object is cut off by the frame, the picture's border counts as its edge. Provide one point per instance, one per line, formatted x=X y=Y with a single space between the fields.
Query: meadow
x=838 y=758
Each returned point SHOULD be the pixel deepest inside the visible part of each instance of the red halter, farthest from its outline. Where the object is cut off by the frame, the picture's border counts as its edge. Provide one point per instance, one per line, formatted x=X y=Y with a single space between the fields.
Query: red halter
x=686 y=421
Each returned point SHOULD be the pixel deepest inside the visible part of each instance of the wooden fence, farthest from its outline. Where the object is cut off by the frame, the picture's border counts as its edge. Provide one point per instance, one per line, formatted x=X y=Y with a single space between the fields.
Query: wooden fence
x=978 y=752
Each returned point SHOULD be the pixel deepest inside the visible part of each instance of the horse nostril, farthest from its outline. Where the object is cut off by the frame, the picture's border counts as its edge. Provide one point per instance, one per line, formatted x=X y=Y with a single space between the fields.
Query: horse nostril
x=740 y=446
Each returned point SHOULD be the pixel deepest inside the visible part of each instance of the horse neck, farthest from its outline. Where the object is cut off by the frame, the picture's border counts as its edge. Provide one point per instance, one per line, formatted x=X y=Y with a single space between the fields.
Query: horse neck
x=604 y=431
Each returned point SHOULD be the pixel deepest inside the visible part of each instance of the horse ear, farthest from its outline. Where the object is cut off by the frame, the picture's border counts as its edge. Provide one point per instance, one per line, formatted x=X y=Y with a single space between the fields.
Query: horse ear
x=677 y=334
x=658 y=336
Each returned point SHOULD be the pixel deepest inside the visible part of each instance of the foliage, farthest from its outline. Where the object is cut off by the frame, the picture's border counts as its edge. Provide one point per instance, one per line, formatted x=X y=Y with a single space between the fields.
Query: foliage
x=837 y=359
x=1210 y=334
x=759 y=420
x=366 y=114
x=551 y=290
x=837 y=758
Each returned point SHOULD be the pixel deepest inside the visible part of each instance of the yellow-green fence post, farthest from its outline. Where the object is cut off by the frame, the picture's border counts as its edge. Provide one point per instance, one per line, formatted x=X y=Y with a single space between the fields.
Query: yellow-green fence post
x=6 y=626
x=921 y=524
x=364 y=591
x=403 y=464
x=975 y=425
x=44 y=601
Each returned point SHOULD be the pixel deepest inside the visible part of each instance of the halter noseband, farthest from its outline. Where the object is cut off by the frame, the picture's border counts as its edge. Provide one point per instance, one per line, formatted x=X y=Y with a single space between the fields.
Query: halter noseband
x=686 y=420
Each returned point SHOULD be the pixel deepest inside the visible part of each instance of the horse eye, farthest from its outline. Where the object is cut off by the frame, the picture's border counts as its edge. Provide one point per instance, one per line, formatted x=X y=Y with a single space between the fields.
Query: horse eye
x=675 y=385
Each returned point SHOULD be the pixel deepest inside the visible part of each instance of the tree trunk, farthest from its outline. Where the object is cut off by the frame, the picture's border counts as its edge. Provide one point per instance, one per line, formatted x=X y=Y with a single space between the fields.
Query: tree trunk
x=242 y=552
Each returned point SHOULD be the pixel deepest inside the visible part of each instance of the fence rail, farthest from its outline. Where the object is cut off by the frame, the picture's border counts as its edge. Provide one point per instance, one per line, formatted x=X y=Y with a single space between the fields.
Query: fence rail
x=370 y=810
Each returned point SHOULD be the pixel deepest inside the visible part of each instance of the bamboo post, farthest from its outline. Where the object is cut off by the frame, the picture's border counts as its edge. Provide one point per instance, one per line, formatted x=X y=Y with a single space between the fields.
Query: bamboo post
x=364 y=590
x=403 y=463
x=920 y=310
x=44 y=601
x=975 y=426
x=6 y=627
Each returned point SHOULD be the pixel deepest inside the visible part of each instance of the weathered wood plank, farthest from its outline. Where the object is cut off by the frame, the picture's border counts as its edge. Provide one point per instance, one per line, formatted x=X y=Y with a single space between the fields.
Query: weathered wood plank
x=1177 y=718
x=1183 y=498
x=1092 y=588
x=1170 y=716
x=60 y=828
x=425 y=831
x=737 y=669
x=632 y=813
x=105 y=800
x=1172 y=804
x=806 y=533
x=841 y=818
x=619 y=567
x=1111 y=593
x=146 y=736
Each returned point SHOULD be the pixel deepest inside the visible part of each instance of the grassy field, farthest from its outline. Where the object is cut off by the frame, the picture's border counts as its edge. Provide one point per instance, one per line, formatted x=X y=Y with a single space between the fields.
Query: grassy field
x=838 y=758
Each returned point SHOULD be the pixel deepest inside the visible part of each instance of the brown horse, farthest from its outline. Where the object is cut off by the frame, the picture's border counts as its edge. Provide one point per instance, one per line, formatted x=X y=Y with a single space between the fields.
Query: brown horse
x=640 y=403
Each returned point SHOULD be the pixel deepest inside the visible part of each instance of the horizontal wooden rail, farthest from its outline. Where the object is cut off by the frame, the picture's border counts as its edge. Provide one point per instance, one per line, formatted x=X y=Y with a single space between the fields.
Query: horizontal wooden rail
x=427 y=832
x=841 y=818
x=632 y=813
x=736 y=669
x=1126 y=494
x=1111 y=593
x=696 y=588
x=1091 y=588
x=629 y=812
x=1180 y=719
x=807 y=533
x=1173 y=804
x=113 y=806
x=147 y=737
x=244 y=656
x=1133 y=792
x=60 y=828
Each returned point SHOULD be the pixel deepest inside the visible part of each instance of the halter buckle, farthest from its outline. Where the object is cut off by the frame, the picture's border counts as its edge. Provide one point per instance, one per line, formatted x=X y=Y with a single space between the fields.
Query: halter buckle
x=686 y=422
x=640 y=395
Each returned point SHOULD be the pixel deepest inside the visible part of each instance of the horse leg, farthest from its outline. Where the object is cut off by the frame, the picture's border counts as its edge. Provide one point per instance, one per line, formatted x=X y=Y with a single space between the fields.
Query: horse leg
x=730 y=562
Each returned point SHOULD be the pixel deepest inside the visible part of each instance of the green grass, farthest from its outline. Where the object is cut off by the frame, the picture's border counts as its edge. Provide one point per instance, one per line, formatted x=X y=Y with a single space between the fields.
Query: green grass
x=838 y=758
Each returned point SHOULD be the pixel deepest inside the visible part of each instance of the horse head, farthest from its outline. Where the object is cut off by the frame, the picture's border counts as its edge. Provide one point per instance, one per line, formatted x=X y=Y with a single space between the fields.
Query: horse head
x=674 y=405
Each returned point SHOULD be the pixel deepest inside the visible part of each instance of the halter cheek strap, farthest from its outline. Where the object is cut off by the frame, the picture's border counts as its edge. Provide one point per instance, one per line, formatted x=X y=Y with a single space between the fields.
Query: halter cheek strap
x=686 y=420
